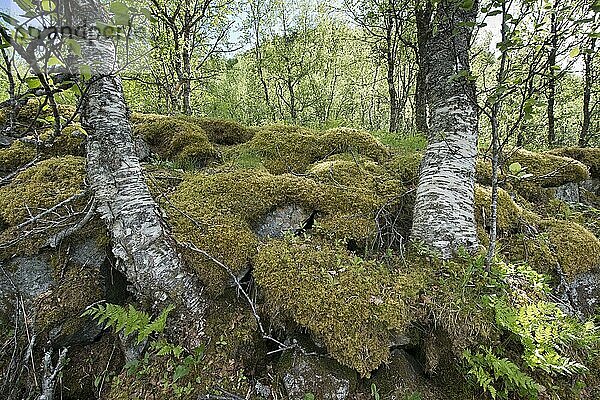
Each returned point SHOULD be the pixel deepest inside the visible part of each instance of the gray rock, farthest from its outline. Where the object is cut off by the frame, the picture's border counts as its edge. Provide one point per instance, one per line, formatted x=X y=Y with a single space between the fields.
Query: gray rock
x=402 y=377
x=28 y=276
x=6 y=141
x=282 y=219
x=88 y=253
x=142 y=149
x=583 y=293
x=568 y=192
x=323 y=377
x=262 y=390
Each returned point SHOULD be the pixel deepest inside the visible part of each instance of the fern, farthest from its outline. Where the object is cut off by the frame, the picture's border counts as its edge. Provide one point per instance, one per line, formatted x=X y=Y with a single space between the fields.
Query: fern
x=500 y=376
x=128 y=320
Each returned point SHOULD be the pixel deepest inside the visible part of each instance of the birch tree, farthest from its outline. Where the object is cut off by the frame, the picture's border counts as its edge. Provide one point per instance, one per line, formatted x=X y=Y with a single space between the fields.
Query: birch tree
x=146 y=254
x=444 y=208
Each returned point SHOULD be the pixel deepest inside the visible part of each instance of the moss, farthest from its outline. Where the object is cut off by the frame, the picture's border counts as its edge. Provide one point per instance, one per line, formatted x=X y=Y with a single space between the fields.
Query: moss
x=71 y=141
x=483 y=172
x=405 y=166
x=510 y=216
x=292 y=149
x=178 y=141
x=346 y=170
x=41 y=187
x=586 y=155
x=352 y=305
x=230 y=205
x=232 y=348
x=92 y=367
x=222 y=131
x=549 y=170
x=15 y=156
x=577 y=249
x=60 y=308
x=142 y=118
x=534 y=249
x=561 y=247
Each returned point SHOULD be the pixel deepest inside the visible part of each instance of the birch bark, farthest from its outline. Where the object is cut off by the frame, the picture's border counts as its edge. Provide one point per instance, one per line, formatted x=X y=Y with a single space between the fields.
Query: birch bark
x=444 y=209
x=145 y=252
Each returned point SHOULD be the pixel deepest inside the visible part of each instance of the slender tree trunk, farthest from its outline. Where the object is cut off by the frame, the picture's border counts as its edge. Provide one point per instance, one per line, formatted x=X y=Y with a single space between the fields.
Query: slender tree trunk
x=391 y=74
x=496 y=145
x=186 y=57
x=552 y=78
x=444 y=208
x=423 y=20
x=146 y=254
x=587 y=94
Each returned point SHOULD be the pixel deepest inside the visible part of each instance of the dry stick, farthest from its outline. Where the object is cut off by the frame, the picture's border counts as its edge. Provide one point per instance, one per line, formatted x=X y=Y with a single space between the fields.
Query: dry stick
x=59 y=237
x=237 y=282
x=50 y=210
x=6 y=179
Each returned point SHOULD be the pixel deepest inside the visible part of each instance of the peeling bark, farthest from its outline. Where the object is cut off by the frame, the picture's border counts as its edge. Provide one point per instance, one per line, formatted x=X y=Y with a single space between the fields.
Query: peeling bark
x=444 y=209
x=142 y=244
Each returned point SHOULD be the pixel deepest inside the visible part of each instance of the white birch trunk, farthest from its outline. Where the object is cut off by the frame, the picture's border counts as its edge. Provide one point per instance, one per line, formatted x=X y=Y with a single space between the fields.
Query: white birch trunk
x=146 y=254
x=444 y=209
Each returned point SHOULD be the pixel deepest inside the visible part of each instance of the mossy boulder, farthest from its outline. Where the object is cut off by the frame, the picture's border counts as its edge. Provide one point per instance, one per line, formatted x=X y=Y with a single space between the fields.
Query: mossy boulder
x=179 y=141
x=71 y=141
x=587 y=155
x=577 y=250
x=222 y=131
x=230 y=206
x=293 y=149
x=15 y=156
x=559 y=248
x=346 y=170
x=549 y=170
x=40 y=187
x=510 y=216
x=351 y=304
x=405 y=166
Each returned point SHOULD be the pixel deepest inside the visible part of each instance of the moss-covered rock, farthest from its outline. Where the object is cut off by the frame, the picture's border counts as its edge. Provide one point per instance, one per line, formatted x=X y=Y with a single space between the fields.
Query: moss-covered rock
x=510 y=216
x=560 y=247
x=71 y=141
x=229 y=206
x=352 y=305
x=179 y=141
x=292 y=149
x=40 y=187
x=222 y=131
x=402 y=378
x=549 y=170
x=405 y=166
x=15 y=156
x=586 y=155
x=577 y=250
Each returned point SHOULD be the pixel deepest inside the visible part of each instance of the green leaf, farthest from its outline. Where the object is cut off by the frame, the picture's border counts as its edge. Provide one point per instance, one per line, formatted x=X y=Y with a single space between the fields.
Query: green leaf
x=309 y=396
x=574 y=52
x=48 y=5
x=33 y=82
x=74 y=46
x=180 y=372
x=121 y=12
x=467 y=4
